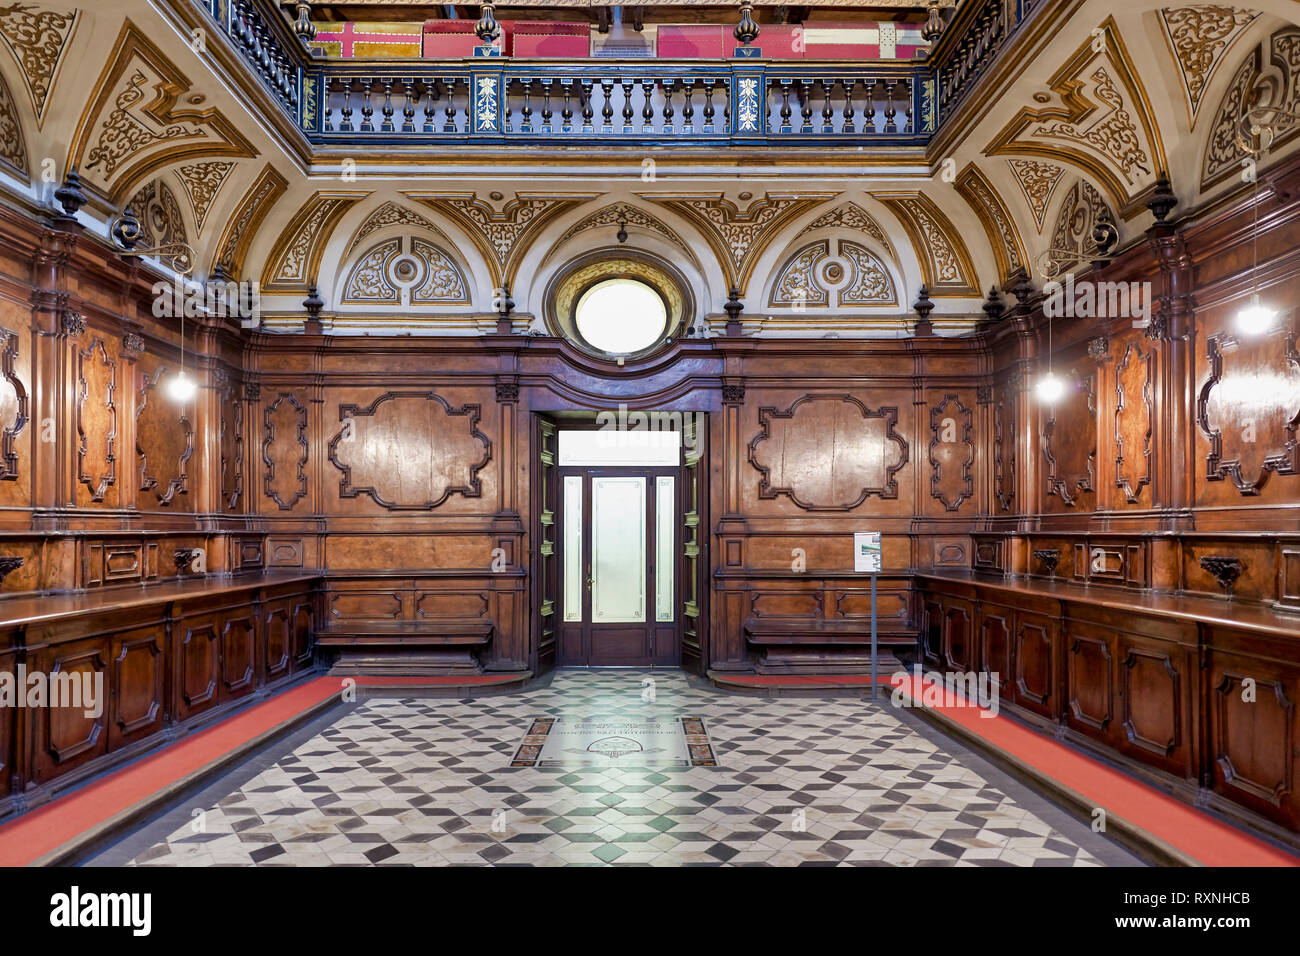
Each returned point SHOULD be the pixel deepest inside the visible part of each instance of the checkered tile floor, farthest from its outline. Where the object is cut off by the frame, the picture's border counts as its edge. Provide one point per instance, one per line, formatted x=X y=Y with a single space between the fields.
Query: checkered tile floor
x=801 y=781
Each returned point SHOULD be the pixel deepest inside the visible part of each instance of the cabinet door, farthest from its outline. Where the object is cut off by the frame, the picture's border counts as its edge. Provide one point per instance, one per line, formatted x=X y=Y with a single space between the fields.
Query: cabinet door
x=1090 y=682
x=1035 y=655
x=67 y=737
x=1254 y=730
x=138 y=673
x=1155 y=682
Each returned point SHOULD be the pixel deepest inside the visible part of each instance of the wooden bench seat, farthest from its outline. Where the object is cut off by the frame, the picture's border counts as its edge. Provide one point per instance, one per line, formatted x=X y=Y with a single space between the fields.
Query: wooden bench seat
x=405 y=647
x=790 y=645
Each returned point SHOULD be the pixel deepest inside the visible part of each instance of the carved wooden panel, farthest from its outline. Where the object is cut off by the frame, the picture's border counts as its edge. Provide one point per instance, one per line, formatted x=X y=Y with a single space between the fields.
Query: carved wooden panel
x=284 y=450
x=409 y=451
x=952 y=452
x=1253 y=740
x=1070 y=441
x=957 y=638
x=70 y=735
x=137 y=681
x=279 y=641
x=1134 y=413
x=995 y=650
x=301 y=648
x=828 y=452
x=164 y=440
x=454 y=604
x=232 y=447
x=198 y=660
x=96 y=419
x=238 y=655
x=804 y=604
x=14 y=409
x=1033 y=661
x=1151 y=695
x=1090 y=678
x=1248 y=408
x=932 y=636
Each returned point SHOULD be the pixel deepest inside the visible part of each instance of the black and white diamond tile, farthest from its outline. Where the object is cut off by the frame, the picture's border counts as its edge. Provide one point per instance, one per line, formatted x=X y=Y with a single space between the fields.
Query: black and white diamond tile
x=800 y=781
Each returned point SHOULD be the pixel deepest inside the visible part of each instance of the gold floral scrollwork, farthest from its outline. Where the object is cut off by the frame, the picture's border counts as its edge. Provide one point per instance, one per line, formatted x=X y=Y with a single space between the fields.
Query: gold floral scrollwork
x=1198 y=37
x=38 y=39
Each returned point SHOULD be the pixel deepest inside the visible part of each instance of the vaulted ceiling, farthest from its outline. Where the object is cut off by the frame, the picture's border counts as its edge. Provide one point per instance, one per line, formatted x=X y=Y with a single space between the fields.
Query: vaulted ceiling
x=1098 y=101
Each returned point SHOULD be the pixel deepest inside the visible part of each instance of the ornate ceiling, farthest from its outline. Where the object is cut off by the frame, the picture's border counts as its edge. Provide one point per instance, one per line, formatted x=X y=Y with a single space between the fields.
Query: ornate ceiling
x=1095 y=105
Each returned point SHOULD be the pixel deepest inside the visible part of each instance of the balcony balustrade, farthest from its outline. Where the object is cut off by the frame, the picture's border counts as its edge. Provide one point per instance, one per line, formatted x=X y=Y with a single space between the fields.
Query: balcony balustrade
x=493 y=100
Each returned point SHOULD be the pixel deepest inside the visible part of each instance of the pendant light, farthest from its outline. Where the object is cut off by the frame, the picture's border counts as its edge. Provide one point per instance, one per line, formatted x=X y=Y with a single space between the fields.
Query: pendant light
x=1256 y=318
x=181 y=388
x=1049 y=388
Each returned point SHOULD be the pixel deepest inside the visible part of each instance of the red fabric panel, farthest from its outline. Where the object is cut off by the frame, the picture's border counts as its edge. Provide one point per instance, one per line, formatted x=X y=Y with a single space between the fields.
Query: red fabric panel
x=693 y=41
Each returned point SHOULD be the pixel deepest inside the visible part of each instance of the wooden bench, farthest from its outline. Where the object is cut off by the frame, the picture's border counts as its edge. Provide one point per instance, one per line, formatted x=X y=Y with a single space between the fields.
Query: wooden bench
x=794 y=645
x=405 y=647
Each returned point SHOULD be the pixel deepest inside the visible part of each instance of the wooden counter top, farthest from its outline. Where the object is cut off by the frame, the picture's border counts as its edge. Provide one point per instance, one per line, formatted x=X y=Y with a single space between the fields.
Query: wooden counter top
x=44 y=609
x=1224 y=613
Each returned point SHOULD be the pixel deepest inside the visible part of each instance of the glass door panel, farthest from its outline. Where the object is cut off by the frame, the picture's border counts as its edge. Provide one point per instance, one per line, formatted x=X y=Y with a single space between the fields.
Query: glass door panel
x=618 y=550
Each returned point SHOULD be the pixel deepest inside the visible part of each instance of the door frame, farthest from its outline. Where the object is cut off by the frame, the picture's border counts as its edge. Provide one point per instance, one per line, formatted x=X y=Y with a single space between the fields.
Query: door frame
x=546 y=546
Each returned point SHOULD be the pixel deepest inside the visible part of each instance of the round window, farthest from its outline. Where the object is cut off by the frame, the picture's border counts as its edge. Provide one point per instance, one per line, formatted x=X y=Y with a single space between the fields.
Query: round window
x=621 y=316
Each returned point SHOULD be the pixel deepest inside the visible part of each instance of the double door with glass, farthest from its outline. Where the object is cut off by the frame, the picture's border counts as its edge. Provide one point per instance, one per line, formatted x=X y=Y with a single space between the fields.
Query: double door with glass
x=619 y=568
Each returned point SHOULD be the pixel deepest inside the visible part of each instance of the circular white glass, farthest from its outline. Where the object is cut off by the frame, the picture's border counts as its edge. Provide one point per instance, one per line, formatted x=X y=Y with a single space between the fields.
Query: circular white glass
x=621 y=316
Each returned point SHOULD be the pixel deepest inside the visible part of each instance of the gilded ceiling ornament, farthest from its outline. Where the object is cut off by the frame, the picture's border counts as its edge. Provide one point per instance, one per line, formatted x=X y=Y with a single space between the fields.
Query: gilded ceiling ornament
x=1037 y=181
x=232 y=249
x=202 y=182
x=850 y=215
x=739 y=238
x=1081 y=209
x=617 y=213
x=13 y=145
x=1255 y=86
x=393 y=214
x=979 y=193
x=869 y=281
x=946 y=267
x=159 y=214
x=796 y=281
x=37 y=38
x=443 y=280
x=295 y=258
x=1198 y=37
x=368 y=281
x=504 y=235
x=1098 y=118
x=144 y=116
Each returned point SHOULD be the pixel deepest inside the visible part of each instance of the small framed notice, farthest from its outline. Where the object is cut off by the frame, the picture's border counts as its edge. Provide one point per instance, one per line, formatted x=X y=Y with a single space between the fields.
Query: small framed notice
x=866 y=552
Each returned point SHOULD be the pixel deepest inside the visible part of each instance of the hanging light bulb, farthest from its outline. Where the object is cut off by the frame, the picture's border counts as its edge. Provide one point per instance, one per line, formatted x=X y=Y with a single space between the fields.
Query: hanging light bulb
x=181 y=388
x=1050 y=388
x=1255 y=317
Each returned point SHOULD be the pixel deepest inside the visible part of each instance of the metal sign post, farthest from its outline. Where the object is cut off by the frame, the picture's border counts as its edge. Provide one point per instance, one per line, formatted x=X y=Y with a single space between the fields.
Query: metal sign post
x=867 y=559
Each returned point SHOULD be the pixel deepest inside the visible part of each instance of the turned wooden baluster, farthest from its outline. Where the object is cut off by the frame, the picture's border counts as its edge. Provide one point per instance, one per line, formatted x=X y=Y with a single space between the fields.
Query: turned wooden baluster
x=805 y=106
x=688 y=108
x=891 y=110
x=546 y=104
x=785 y=107
x=628 y=112
x=367 y=107
x=708 y=105
x=587 y=111
x=607 y=111
x=828 y=111
x=347 y=107
x=669 y=87
x=527 y=125
x=387 y=125
x=430 y=109
x=849 y=85
x=449 y=125
x=566 y=112
x=869 y=113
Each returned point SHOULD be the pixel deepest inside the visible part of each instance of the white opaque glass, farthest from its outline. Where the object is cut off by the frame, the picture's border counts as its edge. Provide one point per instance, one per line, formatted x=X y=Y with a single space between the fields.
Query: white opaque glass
x=573 y=548
x=665 y=522
x=618 y=550
x=621 y=316
x=614 y=446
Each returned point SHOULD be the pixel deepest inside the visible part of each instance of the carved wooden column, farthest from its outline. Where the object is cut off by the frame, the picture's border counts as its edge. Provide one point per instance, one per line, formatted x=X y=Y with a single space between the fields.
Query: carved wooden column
x=1174 y=334
x=1099 y=352
x=53 y=375
x=207 y=425
x=128 y=480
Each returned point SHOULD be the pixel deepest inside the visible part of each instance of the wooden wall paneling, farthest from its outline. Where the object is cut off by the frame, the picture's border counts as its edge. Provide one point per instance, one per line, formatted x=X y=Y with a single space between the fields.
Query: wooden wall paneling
x=97 y=420
x=1158 y=676
x=65 y=738
x=15 y=416
x=1253 y=725
x=996 y=646
x=1069 y=446
x=138 y=682
x=545 y=565
x=285 y=448
x=196 y=673
x=8 y=724
x=164 y=443
x=1134 y=414
x=52 y=365
x=951 y=444
x=231 y=443
x=1037 y=657
x=1090 y=681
